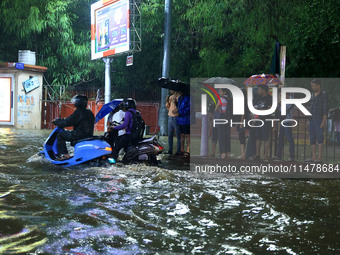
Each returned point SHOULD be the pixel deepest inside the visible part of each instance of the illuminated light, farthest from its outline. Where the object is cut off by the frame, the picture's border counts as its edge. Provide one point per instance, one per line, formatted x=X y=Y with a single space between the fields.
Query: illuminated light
x=158 y=147
x=108 y=148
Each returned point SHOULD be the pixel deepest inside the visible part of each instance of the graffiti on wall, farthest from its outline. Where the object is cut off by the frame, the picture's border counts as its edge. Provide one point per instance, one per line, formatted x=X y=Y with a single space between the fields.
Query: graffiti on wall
x=26 y=105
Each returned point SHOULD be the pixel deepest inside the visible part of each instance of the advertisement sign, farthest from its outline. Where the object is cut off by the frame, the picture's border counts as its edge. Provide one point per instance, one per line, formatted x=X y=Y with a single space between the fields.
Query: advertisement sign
x=31 y=84
x=5 y=99
x=110 y=28
x=129 y=60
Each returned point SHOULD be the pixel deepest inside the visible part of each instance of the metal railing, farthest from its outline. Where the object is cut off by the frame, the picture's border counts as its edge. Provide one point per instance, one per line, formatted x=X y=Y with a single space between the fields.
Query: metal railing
x=331 y=152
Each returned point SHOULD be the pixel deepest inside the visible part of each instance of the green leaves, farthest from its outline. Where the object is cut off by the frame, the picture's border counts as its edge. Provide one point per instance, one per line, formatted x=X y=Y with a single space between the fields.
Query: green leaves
x=48 y=28
x=232 y=38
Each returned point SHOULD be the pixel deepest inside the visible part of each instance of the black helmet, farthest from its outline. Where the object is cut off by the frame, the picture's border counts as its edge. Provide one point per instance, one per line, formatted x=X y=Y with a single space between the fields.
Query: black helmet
x=79 y=101
x=129 y=103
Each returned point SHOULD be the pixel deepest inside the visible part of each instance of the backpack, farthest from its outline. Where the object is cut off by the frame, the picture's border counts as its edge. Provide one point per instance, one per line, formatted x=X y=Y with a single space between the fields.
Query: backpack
x=138 y=126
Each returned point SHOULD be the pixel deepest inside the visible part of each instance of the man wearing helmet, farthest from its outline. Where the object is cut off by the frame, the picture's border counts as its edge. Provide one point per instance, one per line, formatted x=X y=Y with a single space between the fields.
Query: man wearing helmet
x=82 y=121
x=129 y=106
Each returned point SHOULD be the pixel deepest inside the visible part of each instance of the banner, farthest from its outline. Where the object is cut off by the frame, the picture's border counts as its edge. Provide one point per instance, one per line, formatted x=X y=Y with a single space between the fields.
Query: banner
x=110 y=28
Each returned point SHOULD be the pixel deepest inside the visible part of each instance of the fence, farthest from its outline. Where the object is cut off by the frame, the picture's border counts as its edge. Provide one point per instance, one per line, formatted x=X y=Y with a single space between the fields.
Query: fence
x=55 y=109
x=302 y=143
x=331 y=151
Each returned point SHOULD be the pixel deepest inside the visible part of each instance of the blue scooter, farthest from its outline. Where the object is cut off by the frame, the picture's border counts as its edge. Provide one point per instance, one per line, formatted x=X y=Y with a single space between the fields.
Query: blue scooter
x=85 y=150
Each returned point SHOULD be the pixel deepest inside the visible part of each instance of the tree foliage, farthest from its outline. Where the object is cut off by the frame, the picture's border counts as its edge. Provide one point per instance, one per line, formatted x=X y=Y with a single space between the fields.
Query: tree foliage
x=58 y=31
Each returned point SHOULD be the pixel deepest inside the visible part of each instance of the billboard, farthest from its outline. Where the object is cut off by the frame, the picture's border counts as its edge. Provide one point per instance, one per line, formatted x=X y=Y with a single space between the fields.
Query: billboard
x=110 y=28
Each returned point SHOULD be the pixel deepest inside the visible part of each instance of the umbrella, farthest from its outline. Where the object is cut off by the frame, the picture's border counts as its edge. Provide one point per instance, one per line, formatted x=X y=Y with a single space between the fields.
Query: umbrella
x=219 y=80
x=176 y=85
x=216 y=80
x=263 y=79
x=107 y=108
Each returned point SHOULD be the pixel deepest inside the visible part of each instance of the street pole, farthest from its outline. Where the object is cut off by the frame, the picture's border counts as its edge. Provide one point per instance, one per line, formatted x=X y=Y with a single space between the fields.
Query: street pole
x=205 y=127
x=163 y=113
x=107 y=62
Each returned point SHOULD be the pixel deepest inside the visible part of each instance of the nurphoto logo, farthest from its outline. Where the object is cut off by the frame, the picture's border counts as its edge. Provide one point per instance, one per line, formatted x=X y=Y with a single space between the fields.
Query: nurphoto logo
x=238 y=105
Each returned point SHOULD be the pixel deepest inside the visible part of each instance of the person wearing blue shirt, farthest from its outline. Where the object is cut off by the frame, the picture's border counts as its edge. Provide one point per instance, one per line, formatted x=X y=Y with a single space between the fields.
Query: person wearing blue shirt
x=183 y=121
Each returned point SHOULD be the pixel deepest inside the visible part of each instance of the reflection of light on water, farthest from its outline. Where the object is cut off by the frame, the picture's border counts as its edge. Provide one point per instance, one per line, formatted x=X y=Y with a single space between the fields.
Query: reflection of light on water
x=6 y=131
x=172 y=232
x=179 y=210
x=13 y=242
x=15 y=238
x=208 y=223
x=23 y=242
x=228 y=249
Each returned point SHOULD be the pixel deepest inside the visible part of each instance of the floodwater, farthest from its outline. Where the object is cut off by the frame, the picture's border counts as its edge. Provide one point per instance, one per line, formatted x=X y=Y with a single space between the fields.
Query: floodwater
x=152 y=210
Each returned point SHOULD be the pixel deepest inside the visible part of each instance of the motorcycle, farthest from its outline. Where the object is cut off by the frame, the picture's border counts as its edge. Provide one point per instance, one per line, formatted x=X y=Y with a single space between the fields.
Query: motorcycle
x=145 y=150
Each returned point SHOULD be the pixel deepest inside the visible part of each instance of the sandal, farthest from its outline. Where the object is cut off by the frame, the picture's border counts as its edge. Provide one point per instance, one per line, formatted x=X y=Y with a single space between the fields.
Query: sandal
x=186 y=154
x=63 y=157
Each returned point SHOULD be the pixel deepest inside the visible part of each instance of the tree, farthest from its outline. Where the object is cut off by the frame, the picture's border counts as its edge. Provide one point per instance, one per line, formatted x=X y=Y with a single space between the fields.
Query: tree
x=55 y=31
x=233 y=38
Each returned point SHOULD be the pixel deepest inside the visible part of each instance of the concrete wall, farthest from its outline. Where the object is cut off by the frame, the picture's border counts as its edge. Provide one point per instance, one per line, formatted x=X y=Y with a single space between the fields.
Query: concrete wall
x=26 y=106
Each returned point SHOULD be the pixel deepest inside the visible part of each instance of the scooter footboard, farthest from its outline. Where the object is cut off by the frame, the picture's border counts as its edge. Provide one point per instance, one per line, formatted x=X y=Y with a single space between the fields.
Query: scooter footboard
x=89 y=150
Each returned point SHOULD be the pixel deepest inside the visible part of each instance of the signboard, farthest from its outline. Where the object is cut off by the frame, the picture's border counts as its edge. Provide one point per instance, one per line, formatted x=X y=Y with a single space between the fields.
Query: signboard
x=283 y=63
x=19 y=66
x=31 y=84
x=129 y=60
x=110 y=28
x=5 y=99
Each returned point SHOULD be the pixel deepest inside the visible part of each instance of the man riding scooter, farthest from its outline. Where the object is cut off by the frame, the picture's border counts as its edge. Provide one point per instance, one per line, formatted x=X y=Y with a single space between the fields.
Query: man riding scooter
x=82 y=121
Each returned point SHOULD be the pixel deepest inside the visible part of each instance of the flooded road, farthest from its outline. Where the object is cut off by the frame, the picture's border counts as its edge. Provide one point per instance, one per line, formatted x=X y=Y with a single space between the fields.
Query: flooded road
x=152 y=210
